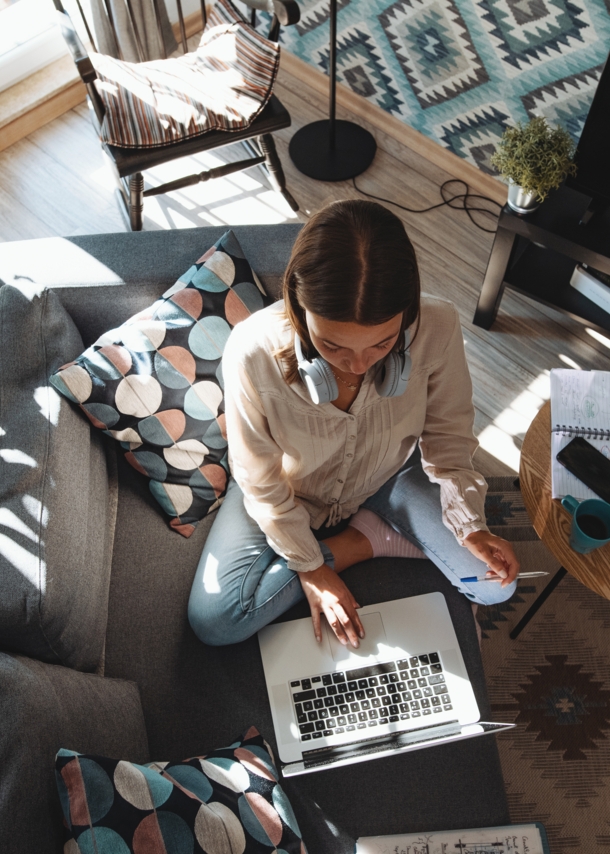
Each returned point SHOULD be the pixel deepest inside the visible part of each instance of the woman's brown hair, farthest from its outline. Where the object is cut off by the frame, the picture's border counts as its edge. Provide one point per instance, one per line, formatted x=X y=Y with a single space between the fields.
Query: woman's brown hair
x=352 y=262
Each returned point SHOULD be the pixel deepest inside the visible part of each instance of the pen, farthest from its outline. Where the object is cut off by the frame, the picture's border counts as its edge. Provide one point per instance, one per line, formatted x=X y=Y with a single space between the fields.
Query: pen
x=472 y=578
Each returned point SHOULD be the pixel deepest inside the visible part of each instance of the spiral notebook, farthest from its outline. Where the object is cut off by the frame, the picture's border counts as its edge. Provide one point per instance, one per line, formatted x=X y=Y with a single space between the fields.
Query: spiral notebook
x=580 y=406
x=512 y=839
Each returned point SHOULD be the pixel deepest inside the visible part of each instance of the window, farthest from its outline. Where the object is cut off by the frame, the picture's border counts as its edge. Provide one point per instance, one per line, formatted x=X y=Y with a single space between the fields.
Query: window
x=30 y=38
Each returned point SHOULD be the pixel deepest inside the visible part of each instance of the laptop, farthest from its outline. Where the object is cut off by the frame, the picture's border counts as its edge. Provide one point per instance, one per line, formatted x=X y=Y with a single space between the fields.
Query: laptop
x=404 y=688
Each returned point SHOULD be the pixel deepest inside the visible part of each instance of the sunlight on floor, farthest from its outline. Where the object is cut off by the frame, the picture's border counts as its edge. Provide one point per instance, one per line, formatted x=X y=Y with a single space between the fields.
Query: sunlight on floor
x=599 y=337
x=249 y=210
x=242 y=198
x=570 y=362
x=498 y=439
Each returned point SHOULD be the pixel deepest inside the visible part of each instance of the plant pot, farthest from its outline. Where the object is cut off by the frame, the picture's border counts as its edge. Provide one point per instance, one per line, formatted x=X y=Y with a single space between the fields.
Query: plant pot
x=520 y=201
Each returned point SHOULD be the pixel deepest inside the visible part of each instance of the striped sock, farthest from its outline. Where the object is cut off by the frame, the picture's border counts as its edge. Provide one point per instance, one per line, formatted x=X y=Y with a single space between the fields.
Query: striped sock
x=384 y=540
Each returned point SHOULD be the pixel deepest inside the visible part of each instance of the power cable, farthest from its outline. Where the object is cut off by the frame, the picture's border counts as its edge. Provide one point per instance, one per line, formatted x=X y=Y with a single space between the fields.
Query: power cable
x=460 y=198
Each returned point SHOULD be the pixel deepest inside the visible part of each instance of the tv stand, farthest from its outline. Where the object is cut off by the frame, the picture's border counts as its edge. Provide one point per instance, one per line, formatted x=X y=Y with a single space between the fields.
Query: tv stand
x=535 y=255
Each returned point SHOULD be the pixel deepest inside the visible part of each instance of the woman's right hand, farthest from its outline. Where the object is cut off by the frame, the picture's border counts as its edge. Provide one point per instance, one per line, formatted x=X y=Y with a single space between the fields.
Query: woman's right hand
x=327 y=594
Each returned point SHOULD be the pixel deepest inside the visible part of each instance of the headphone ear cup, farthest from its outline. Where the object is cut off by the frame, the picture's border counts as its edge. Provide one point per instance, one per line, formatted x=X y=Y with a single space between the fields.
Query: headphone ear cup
x=388 y=377
x=329 y=383
x=317 y=376
x=392 y=379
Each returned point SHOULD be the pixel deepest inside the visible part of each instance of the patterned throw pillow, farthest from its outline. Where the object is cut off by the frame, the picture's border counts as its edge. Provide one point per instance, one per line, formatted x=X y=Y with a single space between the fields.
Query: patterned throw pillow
x=226 y=802
x=155 y=383
x=223 y=85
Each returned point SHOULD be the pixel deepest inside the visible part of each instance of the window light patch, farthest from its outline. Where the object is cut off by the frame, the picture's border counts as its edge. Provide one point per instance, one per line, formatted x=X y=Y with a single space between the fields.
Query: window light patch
x=49 y=402
x=14 y=455
x=36 y=509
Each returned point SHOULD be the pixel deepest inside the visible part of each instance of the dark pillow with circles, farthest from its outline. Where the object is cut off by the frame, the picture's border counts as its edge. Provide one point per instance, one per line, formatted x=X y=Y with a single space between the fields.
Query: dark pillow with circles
x=226 y=802
x=155 y=383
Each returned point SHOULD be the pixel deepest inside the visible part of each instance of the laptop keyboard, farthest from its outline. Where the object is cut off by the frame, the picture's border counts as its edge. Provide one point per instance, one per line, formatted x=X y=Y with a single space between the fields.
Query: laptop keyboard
x=333 y=703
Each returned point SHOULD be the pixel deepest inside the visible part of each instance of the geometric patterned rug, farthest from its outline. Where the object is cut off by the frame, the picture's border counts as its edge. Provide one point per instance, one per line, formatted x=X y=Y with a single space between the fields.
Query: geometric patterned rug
x=553 y=681
x=460 y=71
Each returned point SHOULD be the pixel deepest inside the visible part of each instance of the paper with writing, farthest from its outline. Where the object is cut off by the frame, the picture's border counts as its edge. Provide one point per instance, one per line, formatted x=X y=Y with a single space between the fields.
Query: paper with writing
x=513 y=839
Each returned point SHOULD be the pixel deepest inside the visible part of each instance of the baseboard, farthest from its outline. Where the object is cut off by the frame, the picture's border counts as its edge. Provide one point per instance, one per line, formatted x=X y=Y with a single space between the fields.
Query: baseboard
x=39 y=99
x=456 y=166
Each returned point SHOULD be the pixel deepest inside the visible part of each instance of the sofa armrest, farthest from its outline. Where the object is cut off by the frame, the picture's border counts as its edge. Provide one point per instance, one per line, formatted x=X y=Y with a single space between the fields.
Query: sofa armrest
x=44 y=707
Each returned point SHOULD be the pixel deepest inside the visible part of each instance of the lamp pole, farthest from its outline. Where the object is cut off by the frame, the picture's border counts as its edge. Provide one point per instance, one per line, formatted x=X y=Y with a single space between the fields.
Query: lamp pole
x=331 y=149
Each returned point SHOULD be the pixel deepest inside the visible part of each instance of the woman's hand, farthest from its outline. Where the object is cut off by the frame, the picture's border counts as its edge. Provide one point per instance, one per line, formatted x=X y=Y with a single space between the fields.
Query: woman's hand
x=497 y=553
x=327 y=594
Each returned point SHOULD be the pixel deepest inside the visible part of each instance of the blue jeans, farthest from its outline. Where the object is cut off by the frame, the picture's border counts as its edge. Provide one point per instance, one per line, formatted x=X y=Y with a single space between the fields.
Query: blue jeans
x=241 y=584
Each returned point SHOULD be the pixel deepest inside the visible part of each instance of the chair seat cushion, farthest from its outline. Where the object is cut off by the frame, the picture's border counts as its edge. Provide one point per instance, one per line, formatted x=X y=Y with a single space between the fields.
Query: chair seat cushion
x=223 y=85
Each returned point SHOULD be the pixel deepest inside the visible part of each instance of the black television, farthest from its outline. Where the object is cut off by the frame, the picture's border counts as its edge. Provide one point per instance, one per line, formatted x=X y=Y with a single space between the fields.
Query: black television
x=592 y=155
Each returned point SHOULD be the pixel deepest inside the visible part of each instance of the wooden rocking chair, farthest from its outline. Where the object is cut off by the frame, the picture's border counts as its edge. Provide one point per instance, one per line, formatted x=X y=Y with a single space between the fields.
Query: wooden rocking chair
x=129 y=163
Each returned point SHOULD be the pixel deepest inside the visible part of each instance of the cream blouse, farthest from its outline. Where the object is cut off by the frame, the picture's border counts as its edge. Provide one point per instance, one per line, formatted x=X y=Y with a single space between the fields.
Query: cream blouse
x=300 y=464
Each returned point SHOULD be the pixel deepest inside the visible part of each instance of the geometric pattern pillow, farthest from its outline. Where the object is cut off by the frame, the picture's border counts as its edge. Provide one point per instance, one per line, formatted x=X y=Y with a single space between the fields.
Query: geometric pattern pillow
x=226 y=802
x=155 y=383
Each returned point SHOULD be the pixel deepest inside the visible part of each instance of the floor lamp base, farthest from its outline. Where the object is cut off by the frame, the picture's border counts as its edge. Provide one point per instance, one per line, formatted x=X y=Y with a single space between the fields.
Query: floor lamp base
x=353 y=152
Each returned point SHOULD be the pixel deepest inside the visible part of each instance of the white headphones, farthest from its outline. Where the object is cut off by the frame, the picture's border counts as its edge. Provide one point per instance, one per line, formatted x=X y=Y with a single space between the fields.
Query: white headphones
x=391 y=379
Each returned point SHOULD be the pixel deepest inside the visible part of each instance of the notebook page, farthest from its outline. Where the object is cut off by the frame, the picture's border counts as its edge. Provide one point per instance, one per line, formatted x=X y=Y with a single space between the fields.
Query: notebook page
x=580 y=405
x=580 y=399
x=514 y=839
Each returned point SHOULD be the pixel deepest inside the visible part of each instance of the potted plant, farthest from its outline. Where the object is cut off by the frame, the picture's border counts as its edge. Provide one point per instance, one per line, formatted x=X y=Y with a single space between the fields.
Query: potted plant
x=534 y=158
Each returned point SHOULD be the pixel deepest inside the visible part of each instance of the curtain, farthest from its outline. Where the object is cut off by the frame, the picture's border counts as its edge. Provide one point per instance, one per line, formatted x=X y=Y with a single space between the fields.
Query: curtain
x=146 y=23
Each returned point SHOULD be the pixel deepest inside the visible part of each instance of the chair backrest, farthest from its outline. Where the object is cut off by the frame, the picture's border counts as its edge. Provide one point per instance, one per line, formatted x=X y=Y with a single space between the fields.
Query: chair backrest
x=106 y=8
x=283 y=13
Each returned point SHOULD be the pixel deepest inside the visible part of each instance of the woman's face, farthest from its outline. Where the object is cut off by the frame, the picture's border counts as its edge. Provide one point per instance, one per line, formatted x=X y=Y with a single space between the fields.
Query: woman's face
x=351 y=347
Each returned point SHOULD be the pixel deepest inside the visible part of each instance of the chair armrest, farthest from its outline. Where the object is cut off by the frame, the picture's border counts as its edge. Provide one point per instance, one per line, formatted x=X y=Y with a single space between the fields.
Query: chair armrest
x=76 y=47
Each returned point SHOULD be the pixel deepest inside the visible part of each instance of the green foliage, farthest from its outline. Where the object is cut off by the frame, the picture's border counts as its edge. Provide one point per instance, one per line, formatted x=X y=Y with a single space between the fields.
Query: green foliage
x=535 y=156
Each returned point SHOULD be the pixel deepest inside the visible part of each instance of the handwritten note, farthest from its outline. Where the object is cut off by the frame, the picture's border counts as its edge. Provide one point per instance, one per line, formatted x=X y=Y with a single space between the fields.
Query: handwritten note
x=514 y=839
x=580 y=399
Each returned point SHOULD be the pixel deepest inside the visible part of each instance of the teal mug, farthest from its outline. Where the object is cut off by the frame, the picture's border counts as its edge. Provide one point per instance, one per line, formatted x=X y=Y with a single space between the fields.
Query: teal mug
x=590 y=523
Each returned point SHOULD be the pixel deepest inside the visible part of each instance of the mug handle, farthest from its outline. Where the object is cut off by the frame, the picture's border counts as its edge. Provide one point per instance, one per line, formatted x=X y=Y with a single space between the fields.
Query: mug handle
x=570 y=503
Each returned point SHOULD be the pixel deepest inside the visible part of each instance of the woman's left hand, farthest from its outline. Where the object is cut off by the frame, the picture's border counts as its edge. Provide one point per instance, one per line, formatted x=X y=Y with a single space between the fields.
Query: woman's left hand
x=497 y=553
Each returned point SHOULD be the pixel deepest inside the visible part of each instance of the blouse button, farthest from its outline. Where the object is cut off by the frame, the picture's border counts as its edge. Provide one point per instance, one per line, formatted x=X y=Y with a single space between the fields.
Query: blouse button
x=339 y=480
x=352 y=437
x=349 y=455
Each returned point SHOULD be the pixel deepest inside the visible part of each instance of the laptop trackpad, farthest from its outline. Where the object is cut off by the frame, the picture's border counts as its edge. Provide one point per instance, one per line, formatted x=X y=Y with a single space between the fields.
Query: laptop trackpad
x=369 y=645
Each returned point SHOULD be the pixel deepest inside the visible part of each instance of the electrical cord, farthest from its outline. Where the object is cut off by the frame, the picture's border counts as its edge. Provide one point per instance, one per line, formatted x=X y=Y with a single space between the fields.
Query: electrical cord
x=461 y=198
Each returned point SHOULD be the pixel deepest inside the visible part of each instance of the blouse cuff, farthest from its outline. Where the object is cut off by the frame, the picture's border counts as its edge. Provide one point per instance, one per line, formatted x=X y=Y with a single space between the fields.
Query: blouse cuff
x=472 y=528
x=306 y=566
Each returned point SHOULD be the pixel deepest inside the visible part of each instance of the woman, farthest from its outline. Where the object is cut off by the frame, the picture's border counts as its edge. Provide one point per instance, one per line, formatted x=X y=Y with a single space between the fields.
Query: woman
x=319 y=485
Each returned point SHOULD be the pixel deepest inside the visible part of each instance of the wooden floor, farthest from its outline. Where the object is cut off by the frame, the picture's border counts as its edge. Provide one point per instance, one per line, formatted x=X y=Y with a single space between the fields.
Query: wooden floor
x=56 y=182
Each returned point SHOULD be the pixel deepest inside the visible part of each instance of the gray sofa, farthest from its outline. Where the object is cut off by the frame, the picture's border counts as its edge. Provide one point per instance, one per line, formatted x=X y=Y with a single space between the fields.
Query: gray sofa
x=96 y=652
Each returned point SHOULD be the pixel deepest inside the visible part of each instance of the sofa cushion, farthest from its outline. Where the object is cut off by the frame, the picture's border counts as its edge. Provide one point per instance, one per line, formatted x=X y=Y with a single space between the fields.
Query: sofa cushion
x=223 y=85
x=43 y=707
x=155 y=383
x=184 y=683
x=226 y=801
x=57 y=505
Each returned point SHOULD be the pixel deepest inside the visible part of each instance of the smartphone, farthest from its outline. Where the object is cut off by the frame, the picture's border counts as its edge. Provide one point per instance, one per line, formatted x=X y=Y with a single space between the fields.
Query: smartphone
x=588 y=464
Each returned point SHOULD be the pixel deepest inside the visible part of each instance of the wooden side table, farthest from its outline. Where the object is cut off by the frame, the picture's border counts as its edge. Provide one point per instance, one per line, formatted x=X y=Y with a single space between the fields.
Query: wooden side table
x=551 y=522
x=536 y=255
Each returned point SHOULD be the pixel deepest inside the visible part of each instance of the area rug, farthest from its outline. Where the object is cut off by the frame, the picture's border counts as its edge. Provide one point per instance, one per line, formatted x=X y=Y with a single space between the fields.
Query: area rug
x=553 y=681
x=459 y=71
